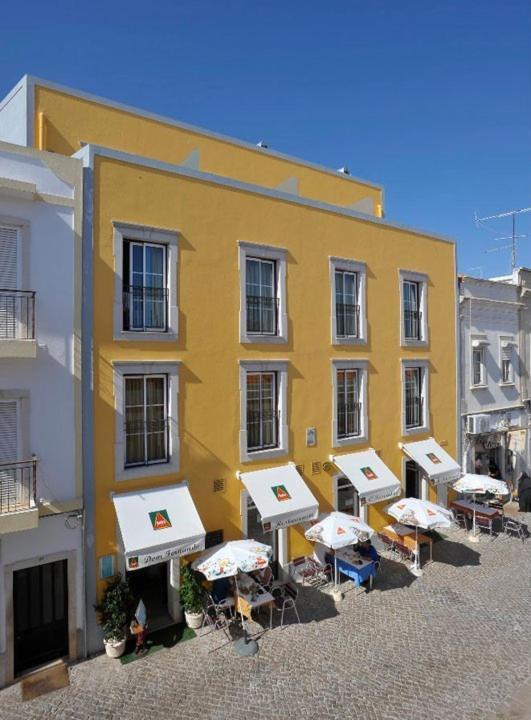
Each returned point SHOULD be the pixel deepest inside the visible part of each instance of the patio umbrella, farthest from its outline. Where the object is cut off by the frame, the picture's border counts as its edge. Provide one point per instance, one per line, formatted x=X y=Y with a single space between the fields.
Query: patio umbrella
x=337 y=530
x=227 y=560
x=472 y=484
x=420 y=513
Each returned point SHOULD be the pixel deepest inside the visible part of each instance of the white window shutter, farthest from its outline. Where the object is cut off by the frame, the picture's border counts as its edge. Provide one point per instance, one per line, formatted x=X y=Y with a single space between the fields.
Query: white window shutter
x=9 y=257
x=8 y=453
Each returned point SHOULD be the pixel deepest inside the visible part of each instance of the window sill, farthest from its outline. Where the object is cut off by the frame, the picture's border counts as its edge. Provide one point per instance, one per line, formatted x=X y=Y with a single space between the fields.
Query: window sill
x=349 y=341
x=423 y=429
x=14 y=348
x=149 y=471
x=145 y=336
x=478 y=387
x=258 y=455
x=507 y=384
x=348 y=441
x=263 y=339
x=410 y=342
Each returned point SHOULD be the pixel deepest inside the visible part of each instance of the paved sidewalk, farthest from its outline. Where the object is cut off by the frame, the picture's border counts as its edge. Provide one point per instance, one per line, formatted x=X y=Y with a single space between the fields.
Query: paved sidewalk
x=452 y=645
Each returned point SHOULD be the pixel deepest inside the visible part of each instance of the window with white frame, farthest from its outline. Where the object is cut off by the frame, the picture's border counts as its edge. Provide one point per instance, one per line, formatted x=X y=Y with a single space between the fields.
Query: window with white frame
x=147 y=429
x=145 y=292
x=415 y=411
x=348 y=278
x=507 y=361
x=413 y=294
x=347 y=497
x=146 y=423
x=263 y=302
x=263 y=424
x=349 y=420
x=145 y=302
x=478 y=366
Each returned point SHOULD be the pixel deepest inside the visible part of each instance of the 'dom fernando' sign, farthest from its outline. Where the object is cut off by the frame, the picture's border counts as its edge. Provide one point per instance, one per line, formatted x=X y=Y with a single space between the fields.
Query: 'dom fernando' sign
x=134 y=562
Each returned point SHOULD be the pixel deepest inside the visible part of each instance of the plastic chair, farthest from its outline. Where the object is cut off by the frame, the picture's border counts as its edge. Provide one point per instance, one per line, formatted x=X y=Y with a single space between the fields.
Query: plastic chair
x=404 y=552
x=389 y=544
x=286 y=599
x=484 y=523
x=216 y=619
x=460 y=520
x=514 y=527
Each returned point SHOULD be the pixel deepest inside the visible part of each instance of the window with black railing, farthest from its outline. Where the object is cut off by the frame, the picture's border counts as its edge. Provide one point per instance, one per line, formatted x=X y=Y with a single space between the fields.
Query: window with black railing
x=411 y=310
x=145 y=291
x=18 y=485
x=262 y=411
x=17 y=314
x=146 y=420
x=348 y=404
x=261 y=296
x=414 y=401
x=347 y=307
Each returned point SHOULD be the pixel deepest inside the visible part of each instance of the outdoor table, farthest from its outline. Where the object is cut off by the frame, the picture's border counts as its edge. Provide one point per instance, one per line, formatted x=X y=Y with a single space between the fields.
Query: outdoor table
x=352 y=565
x=406 y=536
x=250 y=596
x=467 y=507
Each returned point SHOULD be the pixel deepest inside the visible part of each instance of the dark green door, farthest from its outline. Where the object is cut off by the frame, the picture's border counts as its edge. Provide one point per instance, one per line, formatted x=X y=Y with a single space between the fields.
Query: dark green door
x=40 y=602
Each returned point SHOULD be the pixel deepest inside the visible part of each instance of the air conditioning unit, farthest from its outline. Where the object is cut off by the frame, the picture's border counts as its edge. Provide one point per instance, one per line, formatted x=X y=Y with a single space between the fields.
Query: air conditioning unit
x=477 y=424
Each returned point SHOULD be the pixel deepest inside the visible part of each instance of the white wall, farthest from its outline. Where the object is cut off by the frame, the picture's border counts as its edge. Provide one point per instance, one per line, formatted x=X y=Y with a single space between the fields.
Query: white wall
x=13 y=116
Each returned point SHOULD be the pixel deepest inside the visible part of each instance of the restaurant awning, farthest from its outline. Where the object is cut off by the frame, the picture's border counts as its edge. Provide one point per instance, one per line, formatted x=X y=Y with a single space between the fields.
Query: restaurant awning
x=371 y=477
x=281 y=496
x=436 y=463
x=158 y=524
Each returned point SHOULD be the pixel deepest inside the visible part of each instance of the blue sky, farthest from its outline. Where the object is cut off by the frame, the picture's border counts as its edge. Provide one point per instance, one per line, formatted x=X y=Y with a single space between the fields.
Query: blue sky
x=431 y=99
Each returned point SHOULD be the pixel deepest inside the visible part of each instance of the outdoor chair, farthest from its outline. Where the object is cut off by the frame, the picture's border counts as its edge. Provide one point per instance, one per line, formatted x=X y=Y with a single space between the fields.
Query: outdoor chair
x=216 y=619
x=286 y=599
x=388 y=543
x=403 y=552
x=309 y=571
x=514 y=527
x=222 y=604
x=460 y=520
x=484 y=523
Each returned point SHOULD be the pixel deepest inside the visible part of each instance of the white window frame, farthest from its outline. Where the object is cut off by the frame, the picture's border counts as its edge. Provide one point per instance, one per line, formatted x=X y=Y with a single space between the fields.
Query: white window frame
x=336 y=479
x=278 y=256
x=362 y=367
x=280 y=367
x=483 y=370
x=171 y=370
x=150 y=235
x=424 y=365
x=509 y=341
x=422 y=280
x=360 y=269
x=145 y=245
x=166 y=448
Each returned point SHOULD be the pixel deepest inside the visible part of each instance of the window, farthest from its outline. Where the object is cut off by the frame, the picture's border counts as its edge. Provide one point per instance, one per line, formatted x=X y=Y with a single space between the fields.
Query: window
x=263 y=409
x=347 y=308
x=413 y=295
x=348 y=404
x=413 y=480
x=145 y=420
x=478 y=366
x=507 y=361
x=106 y=567
x=261 y=297
x=413 y=388
x=347 y=497
x=263 y=315
x=349 y=418
x=145 y=294
x=145 y=288
x=347 y=279
x=412 y=313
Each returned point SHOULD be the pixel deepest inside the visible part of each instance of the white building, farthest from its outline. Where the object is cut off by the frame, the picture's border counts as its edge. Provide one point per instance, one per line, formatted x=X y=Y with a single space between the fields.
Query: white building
x=42 y=609
x=494 y=419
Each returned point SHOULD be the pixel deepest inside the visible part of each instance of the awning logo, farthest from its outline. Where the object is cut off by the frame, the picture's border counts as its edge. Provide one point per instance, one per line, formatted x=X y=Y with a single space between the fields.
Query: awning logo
x=369 y=473
x=281 y=493
x=160 y=519
x=433 y=457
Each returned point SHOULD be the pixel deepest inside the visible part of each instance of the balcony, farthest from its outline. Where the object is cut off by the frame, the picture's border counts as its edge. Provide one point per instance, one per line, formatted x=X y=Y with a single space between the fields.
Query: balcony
x=17 y=324
x=18 y=496
x=145 y=309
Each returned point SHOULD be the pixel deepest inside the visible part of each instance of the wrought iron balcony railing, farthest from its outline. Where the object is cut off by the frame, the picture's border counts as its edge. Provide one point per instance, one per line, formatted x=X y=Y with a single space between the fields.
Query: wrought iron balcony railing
x=262 y=315
x=18 y=486
x=414 y=412
x=145 y=308
x=17 y=314
x=347 y=320
x=413 y=324
x=146 y=441
x=348 y=419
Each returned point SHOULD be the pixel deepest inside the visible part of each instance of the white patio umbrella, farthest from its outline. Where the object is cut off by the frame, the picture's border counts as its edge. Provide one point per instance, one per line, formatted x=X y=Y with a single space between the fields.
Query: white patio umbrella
x=472 y=484
x=227 y=560
x=420 y=513
x=337 y=530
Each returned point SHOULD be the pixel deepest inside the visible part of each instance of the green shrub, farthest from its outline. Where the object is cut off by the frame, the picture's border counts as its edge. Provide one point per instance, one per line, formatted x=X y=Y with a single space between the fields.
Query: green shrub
x=190 y=590
x=114 y=609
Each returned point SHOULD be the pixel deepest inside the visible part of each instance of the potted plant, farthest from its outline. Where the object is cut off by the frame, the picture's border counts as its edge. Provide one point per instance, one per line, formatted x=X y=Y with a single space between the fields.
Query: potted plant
x=191 y=597
x=114 y=611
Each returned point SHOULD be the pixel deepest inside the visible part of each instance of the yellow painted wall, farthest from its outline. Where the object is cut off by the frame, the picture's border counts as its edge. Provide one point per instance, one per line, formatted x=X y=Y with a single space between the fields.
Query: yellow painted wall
x=67 y=121
x=211 y=220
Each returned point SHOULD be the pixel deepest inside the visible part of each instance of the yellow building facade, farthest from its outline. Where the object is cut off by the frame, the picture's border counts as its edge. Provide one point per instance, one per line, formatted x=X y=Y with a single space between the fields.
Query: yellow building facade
x=297 y=328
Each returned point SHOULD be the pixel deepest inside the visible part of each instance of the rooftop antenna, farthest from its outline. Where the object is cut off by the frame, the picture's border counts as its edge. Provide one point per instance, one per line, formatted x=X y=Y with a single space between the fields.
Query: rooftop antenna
x=480 y=222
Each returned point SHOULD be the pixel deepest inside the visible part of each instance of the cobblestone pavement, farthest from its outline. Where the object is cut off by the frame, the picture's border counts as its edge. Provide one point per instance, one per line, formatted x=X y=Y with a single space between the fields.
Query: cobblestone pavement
x=454 y=644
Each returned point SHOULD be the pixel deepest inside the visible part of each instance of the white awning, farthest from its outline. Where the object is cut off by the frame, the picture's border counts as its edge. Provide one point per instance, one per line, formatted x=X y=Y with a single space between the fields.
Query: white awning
x=158 y=524
x=436 y=463
x=281 y=496
x=369 y=474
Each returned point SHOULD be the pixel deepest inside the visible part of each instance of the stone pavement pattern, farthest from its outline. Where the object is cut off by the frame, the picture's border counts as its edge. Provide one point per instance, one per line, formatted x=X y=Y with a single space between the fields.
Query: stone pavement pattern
x=452 y=645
